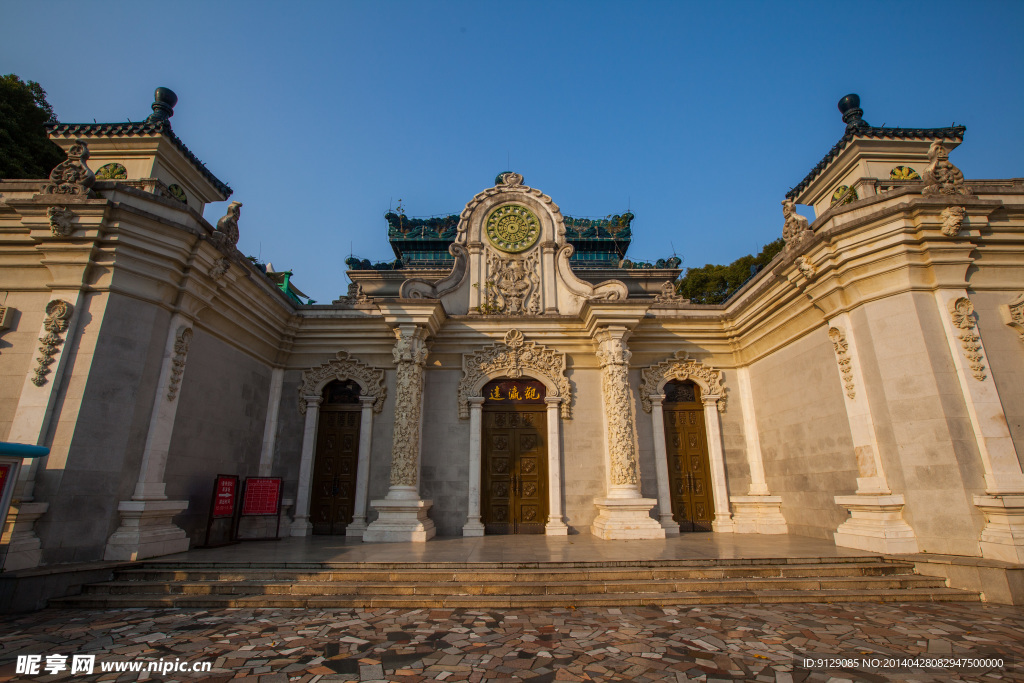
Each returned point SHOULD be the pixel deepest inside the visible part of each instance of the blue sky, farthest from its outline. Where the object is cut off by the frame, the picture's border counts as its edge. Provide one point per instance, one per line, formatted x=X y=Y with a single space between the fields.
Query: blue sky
x=697 y=116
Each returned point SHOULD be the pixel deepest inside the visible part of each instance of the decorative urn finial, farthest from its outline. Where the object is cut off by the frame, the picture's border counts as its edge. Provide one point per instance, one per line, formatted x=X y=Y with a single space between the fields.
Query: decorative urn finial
x=164 y=100
x=852 y=113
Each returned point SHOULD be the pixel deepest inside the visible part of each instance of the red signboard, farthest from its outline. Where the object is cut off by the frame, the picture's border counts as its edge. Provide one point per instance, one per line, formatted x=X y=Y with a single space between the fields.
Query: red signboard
x=5 y=473
x=225 y=493
x=262 y=496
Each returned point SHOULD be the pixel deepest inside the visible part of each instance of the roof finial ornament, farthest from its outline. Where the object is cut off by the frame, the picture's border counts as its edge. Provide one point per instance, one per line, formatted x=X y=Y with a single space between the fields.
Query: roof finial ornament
x=852 y=113
x=509 y=178
x=164 y=100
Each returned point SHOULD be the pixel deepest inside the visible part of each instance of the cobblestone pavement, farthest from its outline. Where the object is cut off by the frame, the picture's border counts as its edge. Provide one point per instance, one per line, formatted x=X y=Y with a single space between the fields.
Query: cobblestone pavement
x=708 y=643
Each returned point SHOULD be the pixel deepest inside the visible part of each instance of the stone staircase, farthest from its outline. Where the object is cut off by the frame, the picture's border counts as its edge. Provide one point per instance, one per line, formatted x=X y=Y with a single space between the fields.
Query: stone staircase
x=514 y=584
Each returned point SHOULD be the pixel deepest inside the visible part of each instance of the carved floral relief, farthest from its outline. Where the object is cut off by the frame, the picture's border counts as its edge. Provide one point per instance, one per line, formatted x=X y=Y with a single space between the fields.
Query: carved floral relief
x=410 y=353
x=344 y=367
x=842 y=349
x=962 y=314
x=58 y=313
x=618 y=407
x=682 y=368
x=181 y=344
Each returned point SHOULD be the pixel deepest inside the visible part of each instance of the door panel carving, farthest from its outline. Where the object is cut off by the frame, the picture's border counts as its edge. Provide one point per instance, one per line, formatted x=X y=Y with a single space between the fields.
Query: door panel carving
x=515 y=486
x=689 y=464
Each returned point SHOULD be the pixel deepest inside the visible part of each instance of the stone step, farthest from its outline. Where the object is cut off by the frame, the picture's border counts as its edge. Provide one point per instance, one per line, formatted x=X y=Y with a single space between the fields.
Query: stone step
x=517 y=601
x=582 y=587
x=509 y=575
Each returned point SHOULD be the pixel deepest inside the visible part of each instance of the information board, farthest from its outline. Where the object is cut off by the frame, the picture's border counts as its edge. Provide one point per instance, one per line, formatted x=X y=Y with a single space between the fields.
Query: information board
x=262 y=496
x=225 y=496
x=5 y=474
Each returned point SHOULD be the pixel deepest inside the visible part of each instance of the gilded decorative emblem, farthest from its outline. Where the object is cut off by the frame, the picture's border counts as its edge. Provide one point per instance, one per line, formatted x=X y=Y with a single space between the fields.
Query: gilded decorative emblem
x=843 y=195
x=512 y=228
x=903 y=173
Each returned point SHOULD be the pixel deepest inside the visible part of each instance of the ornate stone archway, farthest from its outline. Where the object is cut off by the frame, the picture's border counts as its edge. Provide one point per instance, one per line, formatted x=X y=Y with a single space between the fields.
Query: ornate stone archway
x=652 y=386
x=372 y=394
x=515 y=357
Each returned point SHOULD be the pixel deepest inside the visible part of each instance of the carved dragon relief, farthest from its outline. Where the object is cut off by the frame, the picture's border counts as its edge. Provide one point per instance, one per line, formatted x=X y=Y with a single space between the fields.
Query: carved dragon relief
x=681 y=367
x=514 y=357
x=344 y=367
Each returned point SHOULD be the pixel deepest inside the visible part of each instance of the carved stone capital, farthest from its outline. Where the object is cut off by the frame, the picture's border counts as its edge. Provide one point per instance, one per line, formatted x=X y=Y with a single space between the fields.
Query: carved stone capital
x=410 y=345
x=611 y=346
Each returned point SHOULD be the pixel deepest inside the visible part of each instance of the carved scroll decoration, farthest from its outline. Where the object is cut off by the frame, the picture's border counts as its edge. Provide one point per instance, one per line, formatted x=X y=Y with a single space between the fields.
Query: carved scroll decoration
x=181 y=343
x=514 y=357
x=60 y=221
x=1013 y=314
x=953 y=220
x=796 y=227
x=962 y=314
x=681 y=367
x=344 y=367
x=842 y=349
x=72 y=176
x=618 y=407
x=58 y=312
x=941 y=176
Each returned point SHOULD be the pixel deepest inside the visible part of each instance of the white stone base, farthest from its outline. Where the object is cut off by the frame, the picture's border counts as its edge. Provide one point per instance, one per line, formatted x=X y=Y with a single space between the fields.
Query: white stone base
x=758 y=515
x=147 y=530
x=625 y=518
x=1003 y=535
x=876 y=524
x=473 y=527
x=400 y=521
x=670 y=525
x=301 y=526
x=357 y=528
x=556 y=527
x=24 y=549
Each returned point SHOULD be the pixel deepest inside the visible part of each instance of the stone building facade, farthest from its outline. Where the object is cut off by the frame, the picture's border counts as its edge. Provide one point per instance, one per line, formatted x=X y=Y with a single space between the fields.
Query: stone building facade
x=511 y=371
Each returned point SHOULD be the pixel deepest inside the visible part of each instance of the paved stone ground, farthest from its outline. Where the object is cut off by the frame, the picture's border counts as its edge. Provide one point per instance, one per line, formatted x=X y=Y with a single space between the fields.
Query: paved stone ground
x=709 y=643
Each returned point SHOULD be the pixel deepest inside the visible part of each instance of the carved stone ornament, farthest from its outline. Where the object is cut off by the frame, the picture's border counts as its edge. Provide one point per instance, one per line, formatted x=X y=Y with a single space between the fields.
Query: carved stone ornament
x=618 y=406
x=510 y=179
x=941 y=176
x=72 y=176
x=513 y=285
x=961 y=312
x=344 y=367
x=219 y=268
x=60 y=221
x=181 y=344
x=514 y=358
x=804 y=265
x=1013 y=314
x=58 y=312
x=226 y=235
x=842 y=349
x=410 y=353
x=653 y=379
x=354 y=296
x=796 y=227
x=953 y=220
x=668 y=295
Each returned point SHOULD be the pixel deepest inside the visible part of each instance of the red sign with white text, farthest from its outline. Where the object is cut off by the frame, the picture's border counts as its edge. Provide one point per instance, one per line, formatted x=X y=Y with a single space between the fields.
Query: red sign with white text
x=5 y=473
x=224 y=498
x=262 y=496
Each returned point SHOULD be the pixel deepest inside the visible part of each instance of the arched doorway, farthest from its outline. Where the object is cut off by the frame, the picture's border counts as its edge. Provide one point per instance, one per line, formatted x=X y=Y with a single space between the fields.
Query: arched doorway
x=514 y=472
x=686 y=448
x=333 y=491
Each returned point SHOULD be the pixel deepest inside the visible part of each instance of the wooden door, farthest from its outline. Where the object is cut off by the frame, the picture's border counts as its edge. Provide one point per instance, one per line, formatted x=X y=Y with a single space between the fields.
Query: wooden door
x=689 y=466
x=514 y=470
x=332 y=499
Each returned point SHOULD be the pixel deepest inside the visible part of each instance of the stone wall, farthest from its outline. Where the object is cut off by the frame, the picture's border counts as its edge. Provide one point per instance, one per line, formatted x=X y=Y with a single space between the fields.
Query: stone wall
x=583 y=454
x=444 y=456
x=1005 y=350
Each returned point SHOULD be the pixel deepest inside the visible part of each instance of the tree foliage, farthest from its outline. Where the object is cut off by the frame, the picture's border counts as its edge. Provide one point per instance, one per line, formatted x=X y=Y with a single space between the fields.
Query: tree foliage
x=25 y=151
x=714 y=284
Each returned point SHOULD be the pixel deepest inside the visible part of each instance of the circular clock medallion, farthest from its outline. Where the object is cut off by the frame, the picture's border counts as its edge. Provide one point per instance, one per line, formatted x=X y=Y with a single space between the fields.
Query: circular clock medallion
x=512 y=228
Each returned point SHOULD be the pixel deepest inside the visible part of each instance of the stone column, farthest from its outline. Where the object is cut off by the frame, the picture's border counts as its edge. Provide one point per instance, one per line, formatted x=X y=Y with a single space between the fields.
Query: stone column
x=548 y=250
x=270 y=429
x=556 y=525
x=758 y=512
x=301 y=525
x=716 y=454
x=32 y=421
x=624 y=514
x=147 y=527
x=473 y=526
x=358 y=525
x=1003 y=506
x=670 y=525
x=876 y=514
x=402 y=515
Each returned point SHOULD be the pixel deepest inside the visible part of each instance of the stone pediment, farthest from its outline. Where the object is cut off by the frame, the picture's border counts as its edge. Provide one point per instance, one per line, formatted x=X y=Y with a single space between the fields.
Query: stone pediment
x=512 y=259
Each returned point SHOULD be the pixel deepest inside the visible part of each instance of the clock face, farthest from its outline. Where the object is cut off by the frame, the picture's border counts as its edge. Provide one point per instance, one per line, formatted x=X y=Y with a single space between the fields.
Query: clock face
x=512 y=228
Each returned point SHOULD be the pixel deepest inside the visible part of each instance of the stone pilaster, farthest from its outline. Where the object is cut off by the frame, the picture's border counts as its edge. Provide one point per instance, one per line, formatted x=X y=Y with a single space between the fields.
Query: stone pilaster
x=624 y=514
x=358 y=525
x=758 y=512
x=402 y=515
